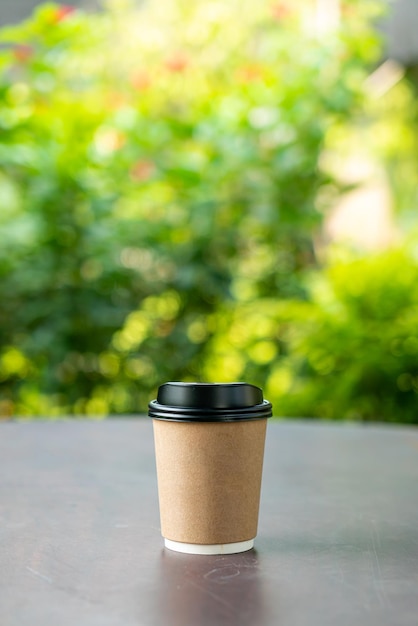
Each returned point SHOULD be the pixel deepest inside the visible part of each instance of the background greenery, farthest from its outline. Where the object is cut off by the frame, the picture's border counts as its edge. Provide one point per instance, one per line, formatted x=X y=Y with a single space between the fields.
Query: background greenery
x=162 y=186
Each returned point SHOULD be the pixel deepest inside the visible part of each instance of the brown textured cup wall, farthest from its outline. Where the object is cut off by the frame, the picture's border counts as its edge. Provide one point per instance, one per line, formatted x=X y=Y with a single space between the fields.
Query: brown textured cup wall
x=209 y=479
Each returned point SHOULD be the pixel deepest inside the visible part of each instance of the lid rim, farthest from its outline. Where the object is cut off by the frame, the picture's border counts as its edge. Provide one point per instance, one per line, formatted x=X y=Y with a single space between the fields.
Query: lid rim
x=208 y=420
x=156 y=406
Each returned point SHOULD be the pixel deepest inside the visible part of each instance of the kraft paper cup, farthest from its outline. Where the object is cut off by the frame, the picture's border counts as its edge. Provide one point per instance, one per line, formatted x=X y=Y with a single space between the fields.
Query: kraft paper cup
x=209 y=446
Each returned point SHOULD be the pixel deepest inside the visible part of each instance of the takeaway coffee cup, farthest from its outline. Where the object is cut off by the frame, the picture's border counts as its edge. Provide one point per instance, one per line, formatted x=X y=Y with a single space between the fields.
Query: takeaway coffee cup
x=209 y=446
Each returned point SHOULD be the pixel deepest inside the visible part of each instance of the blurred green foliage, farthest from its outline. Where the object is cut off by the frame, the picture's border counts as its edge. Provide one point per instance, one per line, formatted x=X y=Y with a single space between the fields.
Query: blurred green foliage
x=351 y=350
x=161 y=185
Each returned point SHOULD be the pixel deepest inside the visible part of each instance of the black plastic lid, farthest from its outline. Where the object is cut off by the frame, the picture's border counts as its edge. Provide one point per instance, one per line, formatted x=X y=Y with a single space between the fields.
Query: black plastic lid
x=209 y=402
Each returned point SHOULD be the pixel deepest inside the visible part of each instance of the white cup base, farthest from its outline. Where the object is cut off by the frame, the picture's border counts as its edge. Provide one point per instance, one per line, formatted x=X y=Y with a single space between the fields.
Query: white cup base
x=196 y=548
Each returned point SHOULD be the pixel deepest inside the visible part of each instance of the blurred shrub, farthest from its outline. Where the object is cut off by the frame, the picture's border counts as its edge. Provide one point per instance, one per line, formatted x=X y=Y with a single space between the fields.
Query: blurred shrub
x=351 y=350
x=155 y=164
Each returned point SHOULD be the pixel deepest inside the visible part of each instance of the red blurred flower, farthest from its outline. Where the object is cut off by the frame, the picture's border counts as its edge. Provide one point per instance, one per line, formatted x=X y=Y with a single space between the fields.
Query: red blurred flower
x=177 y=63
x=141 y=80
x=23 y=53
x=115 y=100
x=249 y=73
x=142 y=170
x=281 y=10
x=63 y=12
x=347 y=10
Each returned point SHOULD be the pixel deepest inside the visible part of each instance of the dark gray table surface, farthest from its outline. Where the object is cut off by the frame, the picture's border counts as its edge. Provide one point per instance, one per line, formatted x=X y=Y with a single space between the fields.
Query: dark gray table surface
x=80 y=542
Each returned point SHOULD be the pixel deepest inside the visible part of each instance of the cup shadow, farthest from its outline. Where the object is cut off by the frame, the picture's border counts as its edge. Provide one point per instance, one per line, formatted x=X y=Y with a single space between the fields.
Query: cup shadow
x=207 y=590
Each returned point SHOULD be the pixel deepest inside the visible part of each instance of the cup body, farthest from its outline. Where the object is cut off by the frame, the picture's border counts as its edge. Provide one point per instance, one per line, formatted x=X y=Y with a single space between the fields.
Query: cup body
x=209 y=474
